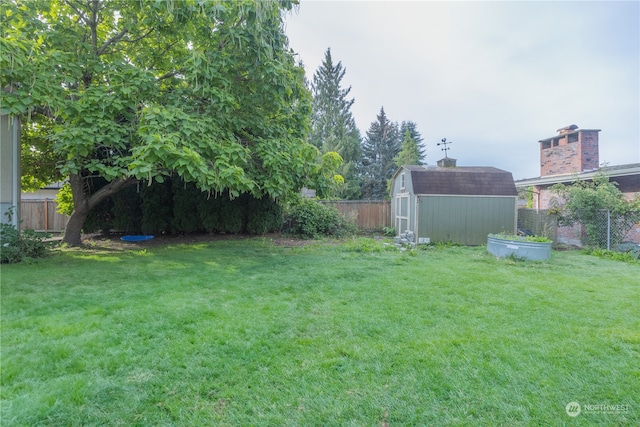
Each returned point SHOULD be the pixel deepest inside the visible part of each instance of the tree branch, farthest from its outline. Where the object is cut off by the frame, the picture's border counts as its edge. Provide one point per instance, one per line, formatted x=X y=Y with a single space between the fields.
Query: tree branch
x=108 y=190
x=169 y=75
x=140 y=38
x=47 y=112
x=93 y=25
x=112 y=40
x=80 y=13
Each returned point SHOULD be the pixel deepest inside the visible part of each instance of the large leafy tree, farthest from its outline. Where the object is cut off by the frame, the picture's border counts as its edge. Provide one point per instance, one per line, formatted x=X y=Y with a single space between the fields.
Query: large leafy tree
x=379 y=149
x=333 y=127
x=140 y=90
x=38 y=160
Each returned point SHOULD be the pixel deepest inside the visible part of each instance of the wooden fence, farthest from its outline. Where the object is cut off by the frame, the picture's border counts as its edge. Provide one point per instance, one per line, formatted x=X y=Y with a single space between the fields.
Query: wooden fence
x=367 y=214
x=41 y=215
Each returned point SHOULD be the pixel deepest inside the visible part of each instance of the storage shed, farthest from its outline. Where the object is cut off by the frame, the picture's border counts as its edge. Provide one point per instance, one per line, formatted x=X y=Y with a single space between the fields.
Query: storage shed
x=453 y=204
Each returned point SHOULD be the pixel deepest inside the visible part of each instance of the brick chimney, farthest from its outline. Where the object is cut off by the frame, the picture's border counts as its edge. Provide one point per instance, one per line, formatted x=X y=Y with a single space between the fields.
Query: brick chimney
x=573 y=150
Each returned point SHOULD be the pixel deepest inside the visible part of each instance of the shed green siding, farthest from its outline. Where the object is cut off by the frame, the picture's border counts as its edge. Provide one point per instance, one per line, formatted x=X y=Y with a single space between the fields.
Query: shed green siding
x=465 y=219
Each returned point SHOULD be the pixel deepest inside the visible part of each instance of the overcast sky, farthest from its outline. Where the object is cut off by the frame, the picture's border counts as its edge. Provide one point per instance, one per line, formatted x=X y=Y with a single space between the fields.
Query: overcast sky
x=493 y=77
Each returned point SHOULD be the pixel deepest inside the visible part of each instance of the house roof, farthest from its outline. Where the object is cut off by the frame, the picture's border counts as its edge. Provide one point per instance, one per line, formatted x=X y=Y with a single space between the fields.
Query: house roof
x=613 y=172
x=462 y=180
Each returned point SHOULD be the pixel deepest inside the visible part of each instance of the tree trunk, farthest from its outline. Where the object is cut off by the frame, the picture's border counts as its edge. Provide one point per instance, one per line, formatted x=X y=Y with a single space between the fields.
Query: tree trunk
x=73 y=230
x=83 y=203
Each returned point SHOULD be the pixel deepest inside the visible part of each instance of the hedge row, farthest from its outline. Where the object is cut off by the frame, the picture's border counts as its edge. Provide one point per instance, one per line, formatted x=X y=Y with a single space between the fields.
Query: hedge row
x=176 y=207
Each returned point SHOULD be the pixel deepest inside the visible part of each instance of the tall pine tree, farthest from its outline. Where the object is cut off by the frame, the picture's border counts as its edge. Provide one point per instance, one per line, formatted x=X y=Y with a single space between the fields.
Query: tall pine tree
x=332 y=125
x=380 y=147
x=412 y=128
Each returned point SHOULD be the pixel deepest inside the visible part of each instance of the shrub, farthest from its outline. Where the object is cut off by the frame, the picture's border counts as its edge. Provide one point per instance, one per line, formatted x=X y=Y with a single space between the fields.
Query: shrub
x=628 y=257
x=629 y=248
x=16 y=246
x=230 y=215
x=185 y=205
x=209 y=212
x=263 y=215
x=156 y=207
x=310 y=219
x=127 y=210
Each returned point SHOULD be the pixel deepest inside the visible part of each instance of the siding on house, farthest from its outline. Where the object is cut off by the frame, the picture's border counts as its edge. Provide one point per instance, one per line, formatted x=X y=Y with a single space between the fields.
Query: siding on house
x=9 y=169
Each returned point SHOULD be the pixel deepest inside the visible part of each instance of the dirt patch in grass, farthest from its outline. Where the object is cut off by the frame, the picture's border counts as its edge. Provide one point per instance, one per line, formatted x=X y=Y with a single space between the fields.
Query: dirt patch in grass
x=114 y=242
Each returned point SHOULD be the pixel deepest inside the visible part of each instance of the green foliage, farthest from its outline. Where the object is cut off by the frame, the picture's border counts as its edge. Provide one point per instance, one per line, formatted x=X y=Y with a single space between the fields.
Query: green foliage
x=441 y=245
x=365 y=245
x=621 y=253
x=311 y=219
x=507 y=236
x=127 y=210
x=263 y=216
x=64 y=200
x=333 y=127
x=18 y=246
x=175 y=206
x=631 y=248
x=410 y=152
x=157 y=208
x=527 y=196
x=185 y=207
x=389 y=231
x=380 y=148
x=208 y=91
x=38 y=160
x=515 y=258
x=412 y=128
x=231 y=216
x=584 y=202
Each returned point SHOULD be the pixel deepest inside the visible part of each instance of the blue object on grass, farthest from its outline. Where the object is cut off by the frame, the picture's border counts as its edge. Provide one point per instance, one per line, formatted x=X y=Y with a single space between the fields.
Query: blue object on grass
x=136 y=238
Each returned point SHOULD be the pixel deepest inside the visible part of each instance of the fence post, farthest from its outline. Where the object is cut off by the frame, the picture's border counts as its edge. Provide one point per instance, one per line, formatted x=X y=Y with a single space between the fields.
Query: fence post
x=608 y=230
x=46 y=215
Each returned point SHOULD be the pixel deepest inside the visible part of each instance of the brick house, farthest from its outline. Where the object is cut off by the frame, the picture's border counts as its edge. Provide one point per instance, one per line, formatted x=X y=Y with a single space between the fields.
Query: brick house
x=571 y=154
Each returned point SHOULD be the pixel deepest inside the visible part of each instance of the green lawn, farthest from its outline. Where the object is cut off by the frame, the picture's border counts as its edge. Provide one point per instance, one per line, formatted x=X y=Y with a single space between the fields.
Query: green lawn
x=243 y=333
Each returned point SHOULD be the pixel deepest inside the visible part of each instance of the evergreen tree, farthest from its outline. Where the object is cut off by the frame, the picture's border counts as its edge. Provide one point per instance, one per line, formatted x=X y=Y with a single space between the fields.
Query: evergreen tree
x=412 y=128
x=380 y=147
x=410 y=153
x=332 y=125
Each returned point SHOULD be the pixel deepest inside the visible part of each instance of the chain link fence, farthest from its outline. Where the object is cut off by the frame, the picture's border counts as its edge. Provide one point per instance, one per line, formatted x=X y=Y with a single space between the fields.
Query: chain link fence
x=608 y=229
x=538 y=222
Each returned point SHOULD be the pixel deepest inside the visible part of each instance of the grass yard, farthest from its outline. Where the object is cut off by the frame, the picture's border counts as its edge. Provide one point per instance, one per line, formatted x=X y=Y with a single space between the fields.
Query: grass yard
x=236 y=333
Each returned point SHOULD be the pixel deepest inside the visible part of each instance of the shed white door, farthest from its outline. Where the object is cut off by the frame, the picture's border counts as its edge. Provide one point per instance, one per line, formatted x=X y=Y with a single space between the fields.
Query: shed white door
x=402 y=213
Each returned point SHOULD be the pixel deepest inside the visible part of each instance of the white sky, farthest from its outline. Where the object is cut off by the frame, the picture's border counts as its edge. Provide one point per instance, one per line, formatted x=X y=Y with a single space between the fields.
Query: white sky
x=493 y=77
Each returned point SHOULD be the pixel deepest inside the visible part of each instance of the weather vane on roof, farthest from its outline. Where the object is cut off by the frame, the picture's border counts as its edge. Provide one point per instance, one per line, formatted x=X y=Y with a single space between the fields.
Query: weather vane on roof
x=445 y=149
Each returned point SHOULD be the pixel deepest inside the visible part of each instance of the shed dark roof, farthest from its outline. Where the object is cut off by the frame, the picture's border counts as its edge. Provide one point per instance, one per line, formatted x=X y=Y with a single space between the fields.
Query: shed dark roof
x=468 y=181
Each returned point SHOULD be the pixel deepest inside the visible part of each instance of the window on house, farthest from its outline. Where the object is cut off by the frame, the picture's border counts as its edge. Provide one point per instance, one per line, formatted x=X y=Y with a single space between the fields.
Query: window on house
x=573 y=137
x=546 y=144
x=555 y=142
x=402 y=186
